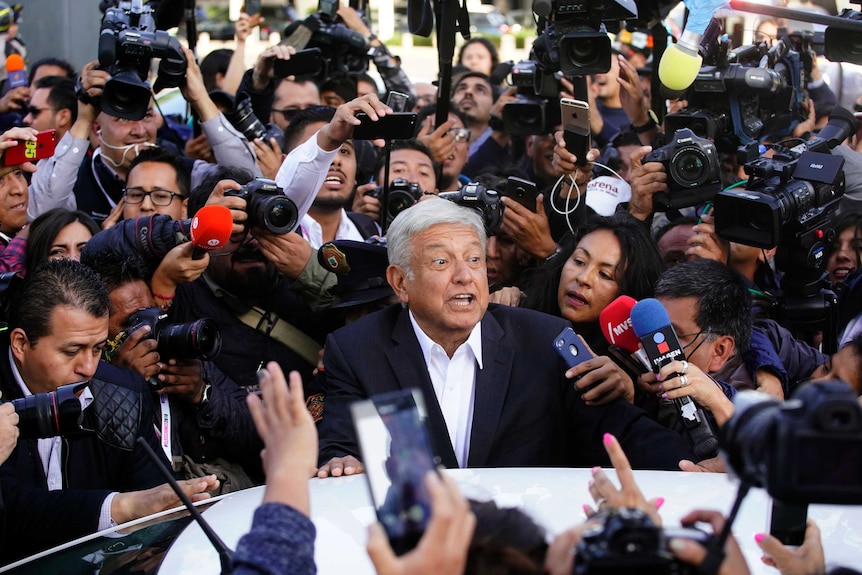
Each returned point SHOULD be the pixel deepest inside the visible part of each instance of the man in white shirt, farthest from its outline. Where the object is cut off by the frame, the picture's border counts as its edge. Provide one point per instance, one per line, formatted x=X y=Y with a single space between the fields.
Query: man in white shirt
x=60 y=488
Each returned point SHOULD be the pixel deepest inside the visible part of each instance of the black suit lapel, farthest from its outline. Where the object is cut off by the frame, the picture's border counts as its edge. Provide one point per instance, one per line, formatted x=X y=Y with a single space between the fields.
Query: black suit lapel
x=407 y=362
x=492 y=383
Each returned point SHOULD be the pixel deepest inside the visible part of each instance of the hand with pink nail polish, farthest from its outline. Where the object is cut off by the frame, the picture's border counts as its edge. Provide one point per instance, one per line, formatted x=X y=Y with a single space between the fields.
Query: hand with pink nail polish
x=808 y=559
x=606 y=494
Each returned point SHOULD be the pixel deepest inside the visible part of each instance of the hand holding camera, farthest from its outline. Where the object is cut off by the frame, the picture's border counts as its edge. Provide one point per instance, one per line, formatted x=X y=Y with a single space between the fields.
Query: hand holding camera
x=8 y=430
x=139 y=353
x=182 y=378
x=648 y=179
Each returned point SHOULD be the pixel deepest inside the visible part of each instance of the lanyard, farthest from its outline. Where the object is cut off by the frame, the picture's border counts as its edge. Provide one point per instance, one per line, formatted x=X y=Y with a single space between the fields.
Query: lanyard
x=165 y=422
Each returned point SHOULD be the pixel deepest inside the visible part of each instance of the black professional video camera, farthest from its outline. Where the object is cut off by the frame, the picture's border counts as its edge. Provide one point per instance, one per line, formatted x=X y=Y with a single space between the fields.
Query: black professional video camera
x=267 y=206
x=402 y=195
x=50 y=414
x=483 y=200
x=807 y=449
x=344 y=51
x=627 y=541
x=537 y=109
x=242 y=118
x=128 y=41
x=744 y=95
x=199 y=339
x=693 y=171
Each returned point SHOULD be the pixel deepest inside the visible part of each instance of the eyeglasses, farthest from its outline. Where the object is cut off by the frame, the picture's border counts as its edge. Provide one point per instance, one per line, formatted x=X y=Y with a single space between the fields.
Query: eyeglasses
x=157 y=196
x=704 y=332
x=34 y=111
x=460 y=134
x=288 y=113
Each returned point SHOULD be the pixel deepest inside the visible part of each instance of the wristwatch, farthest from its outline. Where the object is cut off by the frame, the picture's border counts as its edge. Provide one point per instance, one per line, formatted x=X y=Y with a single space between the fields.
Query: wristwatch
x=205 y=399
x=652 y=122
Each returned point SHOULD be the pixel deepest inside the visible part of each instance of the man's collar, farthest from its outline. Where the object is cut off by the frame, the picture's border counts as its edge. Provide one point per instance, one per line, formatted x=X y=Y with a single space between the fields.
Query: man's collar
x=474 y=340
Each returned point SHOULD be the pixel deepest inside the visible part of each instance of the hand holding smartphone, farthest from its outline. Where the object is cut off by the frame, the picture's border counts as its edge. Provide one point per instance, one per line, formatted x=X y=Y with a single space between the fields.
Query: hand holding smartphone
x=522 y=191
x=30 y=151
x=571 y=348
x=575 y=116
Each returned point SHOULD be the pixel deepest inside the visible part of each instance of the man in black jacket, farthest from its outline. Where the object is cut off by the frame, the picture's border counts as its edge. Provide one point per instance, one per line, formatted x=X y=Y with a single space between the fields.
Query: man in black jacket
x=61 y=488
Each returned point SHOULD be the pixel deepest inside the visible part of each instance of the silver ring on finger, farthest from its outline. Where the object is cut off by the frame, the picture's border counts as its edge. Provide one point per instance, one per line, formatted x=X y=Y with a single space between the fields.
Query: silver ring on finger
x=684 y=369
x=600 y=501
x=683 y=381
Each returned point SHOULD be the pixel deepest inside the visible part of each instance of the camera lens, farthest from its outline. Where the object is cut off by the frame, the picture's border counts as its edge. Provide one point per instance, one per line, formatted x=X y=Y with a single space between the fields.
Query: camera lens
x=199 y=339
x=49 y=414
x=689 y=167
x=275 y=212
x=399 y=201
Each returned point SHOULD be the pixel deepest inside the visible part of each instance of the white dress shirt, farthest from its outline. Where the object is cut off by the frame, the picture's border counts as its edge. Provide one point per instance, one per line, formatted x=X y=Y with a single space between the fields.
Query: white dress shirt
x=454 y=382
x=312 y=231
x=50 y=450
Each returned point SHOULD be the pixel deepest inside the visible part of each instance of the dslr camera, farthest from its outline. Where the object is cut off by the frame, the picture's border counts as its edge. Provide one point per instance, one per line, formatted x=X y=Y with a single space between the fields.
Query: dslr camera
x=402 y=195
x=128 y=41
x=807 y=449
x=628 y=541
x=199 y=339
x=693 y=170
x=243 y=118
x=267 y=206
x=483 y=200
x=50 y=414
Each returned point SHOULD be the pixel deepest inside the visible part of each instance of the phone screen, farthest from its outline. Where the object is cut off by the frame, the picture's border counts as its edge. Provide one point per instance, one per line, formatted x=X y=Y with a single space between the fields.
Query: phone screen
x=396 y=452
x=787 y=522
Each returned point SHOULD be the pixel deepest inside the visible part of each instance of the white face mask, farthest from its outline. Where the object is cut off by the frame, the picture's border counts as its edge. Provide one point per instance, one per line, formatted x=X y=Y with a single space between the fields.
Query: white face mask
x=126 y=150
x=605 y=192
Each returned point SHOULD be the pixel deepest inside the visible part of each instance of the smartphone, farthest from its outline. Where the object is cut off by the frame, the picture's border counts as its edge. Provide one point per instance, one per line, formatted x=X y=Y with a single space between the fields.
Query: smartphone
x=304 y=62
x=571 y=348
x=252 y=7
x=522 y=191
x=27 y=151
x=397 y=101
x=787 y=522
x=396 y=453
x=575 y=116
x=399 y=126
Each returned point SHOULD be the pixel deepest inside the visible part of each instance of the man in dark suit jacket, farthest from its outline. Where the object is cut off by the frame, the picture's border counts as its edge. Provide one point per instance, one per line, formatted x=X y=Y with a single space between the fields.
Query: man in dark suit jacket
x=57 y=489
x=525 y=412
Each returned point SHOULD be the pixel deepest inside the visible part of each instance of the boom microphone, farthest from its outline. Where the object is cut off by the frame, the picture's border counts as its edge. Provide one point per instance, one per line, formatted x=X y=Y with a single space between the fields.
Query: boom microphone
x=681 y=62
x=651 y=324
x=210 y=230
x=616 y=324
x=15 y=72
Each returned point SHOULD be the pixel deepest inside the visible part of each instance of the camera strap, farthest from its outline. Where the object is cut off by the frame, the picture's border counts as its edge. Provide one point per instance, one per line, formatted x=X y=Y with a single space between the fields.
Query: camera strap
x=278 y=329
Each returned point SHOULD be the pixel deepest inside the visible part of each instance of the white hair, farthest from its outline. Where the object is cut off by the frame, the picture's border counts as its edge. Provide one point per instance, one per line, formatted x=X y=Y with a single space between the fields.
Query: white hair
x=420 y=217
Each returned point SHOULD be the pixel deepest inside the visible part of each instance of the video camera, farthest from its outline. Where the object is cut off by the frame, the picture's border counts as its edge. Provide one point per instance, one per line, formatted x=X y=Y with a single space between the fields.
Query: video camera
x=483 y=200
x=807 y=449
x=744 y=95
x=344 y=51
x=628 y=541
x=128 y=41
x=267 y=206
x=693 y=170
x=536 y=111
x=50 y=414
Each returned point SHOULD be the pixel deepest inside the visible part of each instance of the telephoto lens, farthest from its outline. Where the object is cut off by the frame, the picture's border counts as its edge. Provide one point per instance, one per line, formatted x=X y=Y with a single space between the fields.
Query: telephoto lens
x=50 y=414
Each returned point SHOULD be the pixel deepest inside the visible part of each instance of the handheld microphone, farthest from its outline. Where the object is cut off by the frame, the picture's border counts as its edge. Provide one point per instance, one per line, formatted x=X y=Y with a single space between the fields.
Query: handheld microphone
x=651 y=324
x=15 y=73
x=616 y=324
x=681 y=62
x=210 y=229
x=224 y=552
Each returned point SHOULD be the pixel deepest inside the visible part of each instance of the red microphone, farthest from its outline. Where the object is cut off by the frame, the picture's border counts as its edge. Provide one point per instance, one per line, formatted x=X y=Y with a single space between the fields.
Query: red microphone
x=616 y=324
x=15 y=72
x=211 y=228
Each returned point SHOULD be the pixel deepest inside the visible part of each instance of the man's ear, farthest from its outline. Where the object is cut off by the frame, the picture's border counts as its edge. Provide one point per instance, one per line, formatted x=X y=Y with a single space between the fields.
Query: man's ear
x=64 y=118
x=722 y=350
x=398 y=280
x=185 y=209
x=18 y=341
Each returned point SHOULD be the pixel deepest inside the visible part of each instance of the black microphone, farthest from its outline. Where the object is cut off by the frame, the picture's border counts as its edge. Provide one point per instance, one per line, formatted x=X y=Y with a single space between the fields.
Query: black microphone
x=651 y=324
x=224 y=552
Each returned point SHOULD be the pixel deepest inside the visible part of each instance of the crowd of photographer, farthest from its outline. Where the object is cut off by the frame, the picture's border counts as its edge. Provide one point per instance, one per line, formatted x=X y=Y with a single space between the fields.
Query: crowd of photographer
x=161 y=276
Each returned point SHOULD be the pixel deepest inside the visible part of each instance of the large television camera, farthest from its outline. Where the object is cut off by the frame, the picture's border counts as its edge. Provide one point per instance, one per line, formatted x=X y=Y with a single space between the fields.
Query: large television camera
x=744 y=95
x=344 y=51
x=128 y=41
x=807 y=449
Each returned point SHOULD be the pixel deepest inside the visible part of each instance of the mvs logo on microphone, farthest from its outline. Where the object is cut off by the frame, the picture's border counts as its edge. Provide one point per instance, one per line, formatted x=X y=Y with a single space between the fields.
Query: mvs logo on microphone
x=661 y=346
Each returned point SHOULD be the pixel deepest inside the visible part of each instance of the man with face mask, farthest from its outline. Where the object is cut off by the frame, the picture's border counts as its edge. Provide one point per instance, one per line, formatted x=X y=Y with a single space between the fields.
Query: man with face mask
x=95 y=183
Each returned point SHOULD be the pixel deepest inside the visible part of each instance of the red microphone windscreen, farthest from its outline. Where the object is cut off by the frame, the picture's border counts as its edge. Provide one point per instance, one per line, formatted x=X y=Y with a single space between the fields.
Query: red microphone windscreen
x=211 y=227
x=14 y=63
x=616 y=324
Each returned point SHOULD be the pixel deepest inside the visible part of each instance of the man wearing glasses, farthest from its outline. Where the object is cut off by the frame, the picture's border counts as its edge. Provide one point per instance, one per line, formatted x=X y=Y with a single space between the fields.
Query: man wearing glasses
x=158 y=183
x=52 y=105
